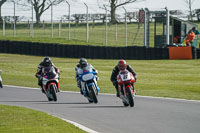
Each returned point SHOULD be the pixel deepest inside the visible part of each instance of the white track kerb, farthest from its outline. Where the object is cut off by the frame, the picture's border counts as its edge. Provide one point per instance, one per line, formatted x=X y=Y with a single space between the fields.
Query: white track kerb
x=90 y=130
x=84 y=128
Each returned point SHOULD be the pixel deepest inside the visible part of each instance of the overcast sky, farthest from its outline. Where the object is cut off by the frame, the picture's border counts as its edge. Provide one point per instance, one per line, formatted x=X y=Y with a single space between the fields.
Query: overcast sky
x=79 y=7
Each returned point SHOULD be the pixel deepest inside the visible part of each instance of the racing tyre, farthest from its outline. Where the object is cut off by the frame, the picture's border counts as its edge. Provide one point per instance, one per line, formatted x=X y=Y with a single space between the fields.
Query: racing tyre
x=93 y=94
x=53 y=92
x=130 y=97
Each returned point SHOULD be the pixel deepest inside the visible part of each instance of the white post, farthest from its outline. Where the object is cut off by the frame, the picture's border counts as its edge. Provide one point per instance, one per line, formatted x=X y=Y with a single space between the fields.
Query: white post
x=125 y=27
x=4 y=27
x=51 y=20
x=167 y=26
x=87 y=30
x=32 y=23
x=14 y=33
x=68 y=21
x=145 y=35
x=106 y=40
x=60 y=28
x=116 y=31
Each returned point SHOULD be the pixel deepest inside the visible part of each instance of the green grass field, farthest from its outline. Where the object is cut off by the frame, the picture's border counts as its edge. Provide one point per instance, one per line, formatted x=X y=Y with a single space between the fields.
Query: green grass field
x=160 y=78
x=22 y=120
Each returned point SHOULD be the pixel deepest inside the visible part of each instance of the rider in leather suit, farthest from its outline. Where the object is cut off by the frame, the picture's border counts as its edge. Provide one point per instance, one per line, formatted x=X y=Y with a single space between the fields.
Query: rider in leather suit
x=46 y=62
x=120 y=66
x=80 y=67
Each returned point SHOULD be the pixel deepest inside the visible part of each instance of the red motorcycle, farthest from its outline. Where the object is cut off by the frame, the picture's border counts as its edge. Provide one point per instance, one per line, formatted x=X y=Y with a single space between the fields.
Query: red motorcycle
x=50 y=82
x=126 y=82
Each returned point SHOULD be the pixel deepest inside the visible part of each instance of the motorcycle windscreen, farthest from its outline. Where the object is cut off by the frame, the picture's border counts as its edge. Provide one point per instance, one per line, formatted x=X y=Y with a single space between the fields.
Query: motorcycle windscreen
x=48 y=69
x=87 y=77
x=50 y=75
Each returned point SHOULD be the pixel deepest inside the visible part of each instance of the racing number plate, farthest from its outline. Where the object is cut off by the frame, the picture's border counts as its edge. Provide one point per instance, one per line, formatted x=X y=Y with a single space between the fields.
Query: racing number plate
x=125 y=77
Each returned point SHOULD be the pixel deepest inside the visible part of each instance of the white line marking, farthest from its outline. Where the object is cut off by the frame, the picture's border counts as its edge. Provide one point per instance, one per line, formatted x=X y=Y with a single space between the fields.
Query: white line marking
x=78 y=125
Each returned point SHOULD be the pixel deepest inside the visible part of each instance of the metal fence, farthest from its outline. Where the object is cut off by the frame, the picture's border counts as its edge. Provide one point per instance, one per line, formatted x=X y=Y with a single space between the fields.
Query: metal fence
x=97 y=31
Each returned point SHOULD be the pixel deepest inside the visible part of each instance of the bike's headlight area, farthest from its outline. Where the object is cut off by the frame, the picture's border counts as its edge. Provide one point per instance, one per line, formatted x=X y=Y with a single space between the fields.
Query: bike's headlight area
x=45 y=80
x=87 y=77
x=119 y=80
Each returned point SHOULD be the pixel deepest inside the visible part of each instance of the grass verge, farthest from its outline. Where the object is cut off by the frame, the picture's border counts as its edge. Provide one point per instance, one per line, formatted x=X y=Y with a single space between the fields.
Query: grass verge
x=22 y=120
x=160 y=78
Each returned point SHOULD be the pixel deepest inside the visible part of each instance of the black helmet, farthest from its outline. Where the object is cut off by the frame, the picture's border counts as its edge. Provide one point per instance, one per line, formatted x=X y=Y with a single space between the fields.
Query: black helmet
x=83 y=62
x=47 y=61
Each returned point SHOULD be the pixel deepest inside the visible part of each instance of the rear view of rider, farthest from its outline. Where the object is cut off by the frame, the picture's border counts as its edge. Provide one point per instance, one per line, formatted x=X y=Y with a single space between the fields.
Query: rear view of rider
x=121 y=66
x=46 y=62
x=80 y=67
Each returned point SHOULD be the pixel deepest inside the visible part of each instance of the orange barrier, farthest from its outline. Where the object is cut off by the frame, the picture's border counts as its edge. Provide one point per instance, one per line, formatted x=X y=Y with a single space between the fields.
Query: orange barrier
x=180 y=53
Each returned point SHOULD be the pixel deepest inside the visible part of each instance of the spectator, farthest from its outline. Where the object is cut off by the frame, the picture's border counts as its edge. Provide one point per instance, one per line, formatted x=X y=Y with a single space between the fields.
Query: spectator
x=176 y=39
x=196 y=32
x=190 y=38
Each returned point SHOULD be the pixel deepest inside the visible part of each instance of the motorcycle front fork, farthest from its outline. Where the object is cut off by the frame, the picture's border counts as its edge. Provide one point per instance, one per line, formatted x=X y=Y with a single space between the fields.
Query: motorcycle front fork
x=123 y=91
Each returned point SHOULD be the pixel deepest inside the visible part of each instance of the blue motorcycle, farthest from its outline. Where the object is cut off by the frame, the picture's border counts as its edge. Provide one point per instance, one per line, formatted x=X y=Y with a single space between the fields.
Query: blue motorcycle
x=89 y=85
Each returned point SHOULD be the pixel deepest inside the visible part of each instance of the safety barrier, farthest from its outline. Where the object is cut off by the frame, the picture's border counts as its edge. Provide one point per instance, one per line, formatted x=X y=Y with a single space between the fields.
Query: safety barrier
x=198 y=53
x=78 y=51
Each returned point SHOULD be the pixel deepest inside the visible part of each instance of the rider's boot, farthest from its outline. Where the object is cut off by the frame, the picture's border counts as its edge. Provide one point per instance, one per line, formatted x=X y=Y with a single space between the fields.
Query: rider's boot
x=81 y=91
x=42 y=90
x=40 y=84
x=79 y=86
x=117 y=91
x=134 y=91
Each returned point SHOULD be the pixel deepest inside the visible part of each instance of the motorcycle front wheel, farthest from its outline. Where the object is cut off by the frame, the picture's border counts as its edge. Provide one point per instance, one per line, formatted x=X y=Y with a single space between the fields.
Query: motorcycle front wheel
x=92 y=92
x=53 y=91
x=130 y=97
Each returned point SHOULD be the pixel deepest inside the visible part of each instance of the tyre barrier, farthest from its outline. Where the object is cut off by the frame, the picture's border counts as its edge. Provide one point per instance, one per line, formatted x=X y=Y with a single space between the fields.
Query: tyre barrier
x=194 y=53
x=198 y=53
x=92 y=52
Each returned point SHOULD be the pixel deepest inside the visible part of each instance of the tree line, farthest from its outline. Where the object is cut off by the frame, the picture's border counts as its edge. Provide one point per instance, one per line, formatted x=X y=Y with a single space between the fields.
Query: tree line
x=40 y=6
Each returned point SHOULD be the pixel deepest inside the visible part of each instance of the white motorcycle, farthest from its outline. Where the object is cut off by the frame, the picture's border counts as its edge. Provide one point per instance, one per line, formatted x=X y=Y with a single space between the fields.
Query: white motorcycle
x=89 y=85
x=1 y=85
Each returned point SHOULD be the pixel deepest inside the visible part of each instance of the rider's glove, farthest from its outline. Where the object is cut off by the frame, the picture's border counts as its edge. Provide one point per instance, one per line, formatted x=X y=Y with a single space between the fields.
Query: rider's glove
x=135 y=78
x=37 y=76
x=97 y=78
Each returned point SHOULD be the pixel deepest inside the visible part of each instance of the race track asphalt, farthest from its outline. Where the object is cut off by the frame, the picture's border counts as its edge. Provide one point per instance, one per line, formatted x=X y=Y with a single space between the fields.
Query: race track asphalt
x=149 y=115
